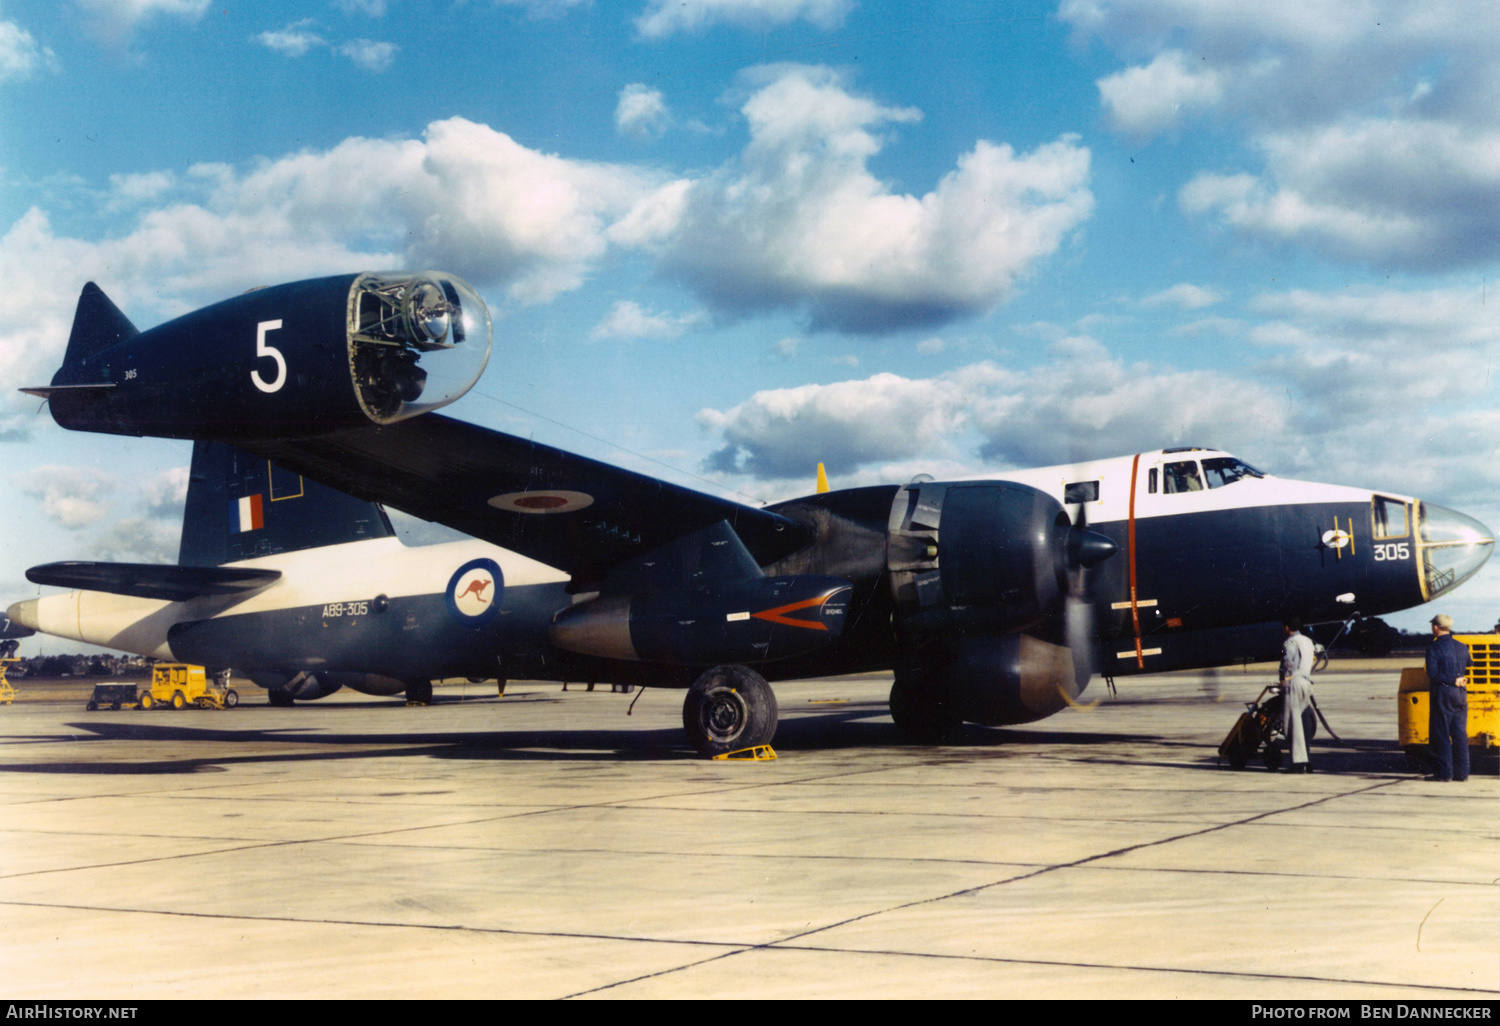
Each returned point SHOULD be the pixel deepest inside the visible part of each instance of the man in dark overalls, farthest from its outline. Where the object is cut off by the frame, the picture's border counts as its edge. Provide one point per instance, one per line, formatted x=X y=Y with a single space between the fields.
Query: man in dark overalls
x=1447 y=701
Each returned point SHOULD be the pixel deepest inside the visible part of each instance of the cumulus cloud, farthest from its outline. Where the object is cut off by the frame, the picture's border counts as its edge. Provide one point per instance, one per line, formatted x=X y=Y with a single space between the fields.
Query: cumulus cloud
x=1145 y=100
x=20 y=54
x=1378 y=132
x=1082 y=404
x=134 y=189
x=775 y=433
x=293 y=41
x=73 y=497
x=1086 y=404
x=464 y=198
x=800 y=222
x=1381 y=388
x=369 y=54
x=662 y=18
x=139 y=540
x=1403 y=193
x=641 y=112
x=1184 y=296
x=628 y=319
x=165 y=494
x=1367 y=352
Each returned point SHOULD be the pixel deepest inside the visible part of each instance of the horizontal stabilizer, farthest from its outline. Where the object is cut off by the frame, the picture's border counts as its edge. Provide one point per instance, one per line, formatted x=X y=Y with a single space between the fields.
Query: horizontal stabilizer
x=153 y=581
x=47 y=391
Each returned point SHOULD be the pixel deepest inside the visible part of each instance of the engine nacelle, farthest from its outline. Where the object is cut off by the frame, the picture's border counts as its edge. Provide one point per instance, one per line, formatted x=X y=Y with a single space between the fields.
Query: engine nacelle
x=751 y=621
x=302 y=686
x=988 y=556
x=996 y=681
x=287 y=361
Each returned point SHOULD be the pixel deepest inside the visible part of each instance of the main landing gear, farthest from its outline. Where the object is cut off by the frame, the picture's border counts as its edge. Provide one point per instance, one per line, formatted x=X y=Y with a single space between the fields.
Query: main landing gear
x=727 y=709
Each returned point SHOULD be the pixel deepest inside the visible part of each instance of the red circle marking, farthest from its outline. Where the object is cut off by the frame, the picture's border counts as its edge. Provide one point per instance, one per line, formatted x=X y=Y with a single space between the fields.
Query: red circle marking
x=540 y=502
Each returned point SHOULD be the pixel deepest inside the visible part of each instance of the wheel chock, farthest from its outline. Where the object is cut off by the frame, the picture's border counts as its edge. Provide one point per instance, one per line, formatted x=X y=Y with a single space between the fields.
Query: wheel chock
x=760 y=753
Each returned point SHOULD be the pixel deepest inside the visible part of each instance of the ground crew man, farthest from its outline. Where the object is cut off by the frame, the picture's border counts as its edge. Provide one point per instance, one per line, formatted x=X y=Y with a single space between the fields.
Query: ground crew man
x=1297 y=657
x=1447 y=702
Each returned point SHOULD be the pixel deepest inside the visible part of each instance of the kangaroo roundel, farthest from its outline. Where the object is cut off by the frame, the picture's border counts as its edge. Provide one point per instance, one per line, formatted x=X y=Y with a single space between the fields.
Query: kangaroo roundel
x=474 y=591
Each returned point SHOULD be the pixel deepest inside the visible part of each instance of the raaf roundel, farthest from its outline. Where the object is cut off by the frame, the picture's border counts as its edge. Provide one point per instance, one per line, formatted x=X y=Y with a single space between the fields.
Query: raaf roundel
x=993 y=600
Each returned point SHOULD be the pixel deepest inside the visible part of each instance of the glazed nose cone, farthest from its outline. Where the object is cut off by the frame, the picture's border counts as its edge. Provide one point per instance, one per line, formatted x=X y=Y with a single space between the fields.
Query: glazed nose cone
x=1453 y=547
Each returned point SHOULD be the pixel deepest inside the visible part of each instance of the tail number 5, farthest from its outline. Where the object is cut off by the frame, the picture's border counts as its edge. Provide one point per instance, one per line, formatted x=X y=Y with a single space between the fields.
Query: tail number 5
x=263 y=350
x=1394 y=552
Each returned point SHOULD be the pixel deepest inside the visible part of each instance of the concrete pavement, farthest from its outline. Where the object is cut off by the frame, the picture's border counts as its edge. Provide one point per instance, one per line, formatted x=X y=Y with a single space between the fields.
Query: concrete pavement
x=547 y=845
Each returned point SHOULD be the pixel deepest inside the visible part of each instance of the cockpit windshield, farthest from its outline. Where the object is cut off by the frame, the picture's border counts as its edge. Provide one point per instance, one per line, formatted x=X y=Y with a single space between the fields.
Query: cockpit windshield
x=1225 y=470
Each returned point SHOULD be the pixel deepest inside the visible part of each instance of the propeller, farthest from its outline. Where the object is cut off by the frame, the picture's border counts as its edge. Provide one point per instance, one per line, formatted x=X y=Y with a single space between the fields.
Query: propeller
x=1086 y=549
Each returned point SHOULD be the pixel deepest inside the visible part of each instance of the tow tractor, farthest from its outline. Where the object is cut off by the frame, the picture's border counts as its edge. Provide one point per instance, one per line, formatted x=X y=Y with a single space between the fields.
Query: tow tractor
x=181 y=684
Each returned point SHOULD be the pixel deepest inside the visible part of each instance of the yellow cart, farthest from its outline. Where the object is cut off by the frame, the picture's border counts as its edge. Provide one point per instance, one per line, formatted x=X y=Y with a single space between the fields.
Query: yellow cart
x=180 y=685
x=1484 y=702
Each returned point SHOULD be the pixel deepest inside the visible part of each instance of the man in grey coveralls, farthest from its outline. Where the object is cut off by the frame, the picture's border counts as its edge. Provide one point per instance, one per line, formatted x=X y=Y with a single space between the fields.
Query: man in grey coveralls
x=1296 y=690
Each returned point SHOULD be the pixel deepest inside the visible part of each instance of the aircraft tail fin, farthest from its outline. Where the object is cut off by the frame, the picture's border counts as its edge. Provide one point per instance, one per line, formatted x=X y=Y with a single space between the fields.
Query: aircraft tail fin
x=97 y=325
x=241 y=506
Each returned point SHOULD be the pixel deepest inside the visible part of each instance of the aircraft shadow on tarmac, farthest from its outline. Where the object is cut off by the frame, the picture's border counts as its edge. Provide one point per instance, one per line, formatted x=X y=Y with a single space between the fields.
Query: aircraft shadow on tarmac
x=852 y=726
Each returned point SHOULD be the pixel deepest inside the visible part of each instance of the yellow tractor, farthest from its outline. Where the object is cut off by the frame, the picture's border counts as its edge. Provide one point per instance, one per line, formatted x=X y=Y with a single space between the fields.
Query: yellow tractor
x=1484 y=702
x=180 y=685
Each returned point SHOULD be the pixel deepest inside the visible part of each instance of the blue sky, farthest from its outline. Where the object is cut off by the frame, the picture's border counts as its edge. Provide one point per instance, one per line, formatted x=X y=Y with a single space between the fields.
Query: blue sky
x=725 y=239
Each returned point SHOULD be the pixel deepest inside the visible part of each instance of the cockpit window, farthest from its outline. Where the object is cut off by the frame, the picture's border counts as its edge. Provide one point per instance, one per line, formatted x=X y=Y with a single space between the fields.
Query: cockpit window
x=1223 y=470
x=1182 y=477
x=1389 y=517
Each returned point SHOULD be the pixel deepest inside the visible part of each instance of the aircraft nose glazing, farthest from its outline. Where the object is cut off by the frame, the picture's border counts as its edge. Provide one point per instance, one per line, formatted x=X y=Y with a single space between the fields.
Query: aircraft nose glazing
x=1453 y=548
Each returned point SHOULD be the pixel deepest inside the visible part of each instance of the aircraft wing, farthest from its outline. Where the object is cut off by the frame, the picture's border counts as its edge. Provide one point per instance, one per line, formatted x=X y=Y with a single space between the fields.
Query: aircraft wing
x=565 y=510
x=154 y=581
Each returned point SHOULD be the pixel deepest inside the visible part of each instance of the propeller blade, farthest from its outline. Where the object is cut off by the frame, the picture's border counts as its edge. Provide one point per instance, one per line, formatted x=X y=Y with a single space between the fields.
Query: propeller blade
x=1086 y=549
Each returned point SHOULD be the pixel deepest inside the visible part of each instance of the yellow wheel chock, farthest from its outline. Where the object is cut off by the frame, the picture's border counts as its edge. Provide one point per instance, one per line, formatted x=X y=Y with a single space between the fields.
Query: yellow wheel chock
x=760 y=753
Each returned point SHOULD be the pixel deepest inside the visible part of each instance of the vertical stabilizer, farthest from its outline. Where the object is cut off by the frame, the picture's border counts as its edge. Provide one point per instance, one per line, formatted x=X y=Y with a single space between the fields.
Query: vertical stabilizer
x=97 y=325
x=241 y=506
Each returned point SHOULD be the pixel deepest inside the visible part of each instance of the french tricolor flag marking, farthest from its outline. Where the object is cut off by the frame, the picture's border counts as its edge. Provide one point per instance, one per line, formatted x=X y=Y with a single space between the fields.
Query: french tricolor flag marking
x=246 y=514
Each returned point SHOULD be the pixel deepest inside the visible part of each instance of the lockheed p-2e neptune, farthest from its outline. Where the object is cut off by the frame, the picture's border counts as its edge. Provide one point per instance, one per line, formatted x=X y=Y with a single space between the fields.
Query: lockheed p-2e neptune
x=993 y=601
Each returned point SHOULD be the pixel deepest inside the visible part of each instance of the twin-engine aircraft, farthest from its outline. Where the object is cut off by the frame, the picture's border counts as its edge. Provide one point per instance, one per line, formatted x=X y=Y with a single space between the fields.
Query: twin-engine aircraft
x=994 y=601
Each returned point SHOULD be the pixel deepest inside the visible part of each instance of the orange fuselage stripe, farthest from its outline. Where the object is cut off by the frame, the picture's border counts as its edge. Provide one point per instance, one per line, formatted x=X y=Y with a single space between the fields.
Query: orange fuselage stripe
x=776 y=615
x=1135 y=609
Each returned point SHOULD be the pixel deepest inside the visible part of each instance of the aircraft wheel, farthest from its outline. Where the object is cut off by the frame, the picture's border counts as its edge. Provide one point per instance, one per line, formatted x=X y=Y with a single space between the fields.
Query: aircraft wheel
x=147 y=701
x=419 y=693
x=231 y=698
x=729 y=708
x=178 y=700
x=279 y=698
x=921 y=718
